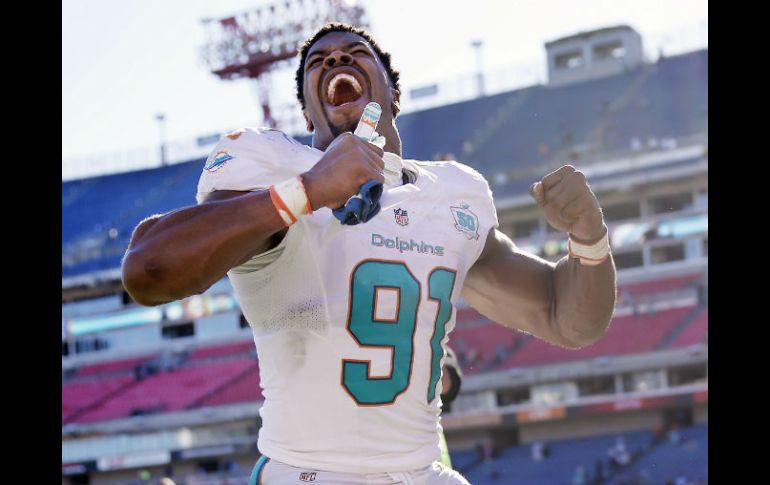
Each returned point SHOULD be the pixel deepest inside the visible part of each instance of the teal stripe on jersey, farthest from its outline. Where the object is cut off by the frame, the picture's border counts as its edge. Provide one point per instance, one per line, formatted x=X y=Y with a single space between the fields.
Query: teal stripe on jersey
x=257 y=471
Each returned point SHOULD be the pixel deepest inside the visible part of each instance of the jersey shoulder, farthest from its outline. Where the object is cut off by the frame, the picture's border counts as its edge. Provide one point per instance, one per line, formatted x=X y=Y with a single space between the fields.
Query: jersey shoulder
x=466 y=188
x=250 y=158
x=455 y=173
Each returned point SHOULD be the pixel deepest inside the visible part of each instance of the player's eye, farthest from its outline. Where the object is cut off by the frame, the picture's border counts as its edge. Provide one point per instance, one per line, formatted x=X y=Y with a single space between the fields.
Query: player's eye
x=360 y=51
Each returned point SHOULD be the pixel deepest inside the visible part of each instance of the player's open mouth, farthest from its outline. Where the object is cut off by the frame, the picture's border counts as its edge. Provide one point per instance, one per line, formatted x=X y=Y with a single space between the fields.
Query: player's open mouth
x=343 y=88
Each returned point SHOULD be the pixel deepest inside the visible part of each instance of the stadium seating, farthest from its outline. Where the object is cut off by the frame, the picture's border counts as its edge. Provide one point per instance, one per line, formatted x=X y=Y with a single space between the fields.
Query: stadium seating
x=219 y=351
x=658 y=462
x=670 y=460
x=244 y=389
x=668 y=99
x=482 y=347
x=91 y=207
x=696 y=332
x=170 y=390
x=626 y=335
x=515 y=465
x=78 y=396
x=660 y=285
x=107 y=369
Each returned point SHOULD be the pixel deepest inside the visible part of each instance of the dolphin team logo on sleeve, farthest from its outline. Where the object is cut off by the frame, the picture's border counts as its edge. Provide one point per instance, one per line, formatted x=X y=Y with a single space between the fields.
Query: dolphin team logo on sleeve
x=218 y=161
x=465 y=221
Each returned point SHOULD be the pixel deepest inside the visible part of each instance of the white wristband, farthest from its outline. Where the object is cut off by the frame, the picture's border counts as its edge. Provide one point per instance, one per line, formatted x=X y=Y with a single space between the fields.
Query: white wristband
x=290 y=200
x=592 y=255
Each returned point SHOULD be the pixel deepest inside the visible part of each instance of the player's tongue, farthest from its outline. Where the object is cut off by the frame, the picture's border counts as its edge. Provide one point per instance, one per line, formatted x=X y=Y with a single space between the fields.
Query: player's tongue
x=343 y=88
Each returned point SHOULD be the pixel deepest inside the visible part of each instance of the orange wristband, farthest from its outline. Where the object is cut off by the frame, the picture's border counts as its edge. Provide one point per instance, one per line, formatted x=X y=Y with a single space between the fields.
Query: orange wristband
x=592 y=255
x=290 y=200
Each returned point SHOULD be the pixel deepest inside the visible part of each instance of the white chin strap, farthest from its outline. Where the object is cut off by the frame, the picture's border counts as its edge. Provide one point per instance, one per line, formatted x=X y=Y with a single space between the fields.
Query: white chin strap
x=393 y=168
x=393 y=164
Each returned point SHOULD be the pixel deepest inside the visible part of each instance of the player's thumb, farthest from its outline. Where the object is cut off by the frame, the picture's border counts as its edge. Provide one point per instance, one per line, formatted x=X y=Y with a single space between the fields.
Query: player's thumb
x=537 y=192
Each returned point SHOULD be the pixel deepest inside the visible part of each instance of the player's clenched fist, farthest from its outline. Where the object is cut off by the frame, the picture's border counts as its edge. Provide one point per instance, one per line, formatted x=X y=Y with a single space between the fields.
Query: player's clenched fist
x=347 y=163
x=569 y=204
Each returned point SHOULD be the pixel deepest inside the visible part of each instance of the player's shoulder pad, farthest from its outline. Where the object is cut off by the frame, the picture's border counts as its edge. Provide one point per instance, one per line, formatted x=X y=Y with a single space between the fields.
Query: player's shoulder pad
x=454 y=171
x=466 y=186
x=248 y=159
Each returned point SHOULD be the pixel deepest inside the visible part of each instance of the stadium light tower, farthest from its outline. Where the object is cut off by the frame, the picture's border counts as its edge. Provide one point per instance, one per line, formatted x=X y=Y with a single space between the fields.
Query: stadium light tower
x=478 y=44
x=161 y=118
x=253 y=43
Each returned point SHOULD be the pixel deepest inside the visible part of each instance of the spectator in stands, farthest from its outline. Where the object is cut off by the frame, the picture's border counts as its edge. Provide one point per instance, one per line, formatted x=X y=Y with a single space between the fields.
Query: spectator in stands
x=580 y=477
x=658 y=434
x=651 y=305
x=681 y=480
x=674 y=435
x=144 y=475
x=473 y=357
x=599 y=471
x=488 y=446
x=627 y=299
x=619 y=456
x=539 y=451
x=500 y=353
x=702 y=293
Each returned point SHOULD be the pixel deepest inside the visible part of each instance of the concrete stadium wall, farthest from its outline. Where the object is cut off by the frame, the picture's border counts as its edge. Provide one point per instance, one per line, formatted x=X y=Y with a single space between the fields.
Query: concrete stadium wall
x=590 y=426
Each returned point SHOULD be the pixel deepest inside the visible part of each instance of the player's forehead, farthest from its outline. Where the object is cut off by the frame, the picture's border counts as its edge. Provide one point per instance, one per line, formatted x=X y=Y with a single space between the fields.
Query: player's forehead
x=336 y=40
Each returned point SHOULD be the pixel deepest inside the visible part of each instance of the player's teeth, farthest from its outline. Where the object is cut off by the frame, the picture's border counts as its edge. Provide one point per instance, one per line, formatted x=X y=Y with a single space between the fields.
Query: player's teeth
x=339 y=77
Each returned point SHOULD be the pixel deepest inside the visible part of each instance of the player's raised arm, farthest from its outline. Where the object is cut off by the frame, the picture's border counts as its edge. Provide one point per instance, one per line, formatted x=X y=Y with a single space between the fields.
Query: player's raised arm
x=185 y=251
x=569 y=303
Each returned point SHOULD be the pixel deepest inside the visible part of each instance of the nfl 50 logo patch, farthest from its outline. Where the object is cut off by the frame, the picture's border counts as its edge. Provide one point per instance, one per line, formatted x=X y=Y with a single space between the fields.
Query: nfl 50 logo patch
x=465 y=221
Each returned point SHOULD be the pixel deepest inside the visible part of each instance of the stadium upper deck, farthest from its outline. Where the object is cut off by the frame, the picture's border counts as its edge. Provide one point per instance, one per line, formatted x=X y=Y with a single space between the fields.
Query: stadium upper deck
x=512 y=138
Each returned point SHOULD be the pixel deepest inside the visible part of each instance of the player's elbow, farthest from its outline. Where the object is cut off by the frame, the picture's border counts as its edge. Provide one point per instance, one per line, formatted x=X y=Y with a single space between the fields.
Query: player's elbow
x=136 y=281
x=148 y=281
x=585 y=331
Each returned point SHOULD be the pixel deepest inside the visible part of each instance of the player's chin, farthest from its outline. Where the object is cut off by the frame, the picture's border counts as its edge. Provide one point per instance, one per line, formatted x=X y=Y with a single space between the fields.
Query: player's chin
x=346 y=113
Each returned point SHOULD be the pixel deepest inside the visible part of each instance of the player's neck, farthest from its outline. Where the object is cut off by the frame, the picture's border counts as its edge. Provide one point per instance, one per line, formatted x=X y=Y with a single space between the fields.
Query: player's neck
x=392 y=139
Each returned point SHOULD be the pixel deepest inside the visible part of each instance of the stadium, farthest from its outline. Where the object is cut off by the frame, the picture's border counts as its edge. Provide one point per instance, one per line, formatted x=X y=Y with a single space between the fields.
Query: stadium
x=174 y=390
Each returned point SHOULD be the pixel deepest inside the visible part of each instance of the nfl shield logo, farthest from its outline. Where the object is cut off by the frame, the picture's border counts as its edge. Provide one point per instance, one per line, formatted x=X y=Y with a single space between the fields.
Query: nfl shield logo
x=401 y=217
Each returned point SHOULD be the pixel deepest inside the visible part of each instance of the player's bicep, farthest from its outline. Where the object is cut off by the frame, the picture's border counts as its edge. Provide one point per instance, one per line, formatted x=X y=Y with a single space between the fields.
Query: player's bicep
x=270 y=243
x=218 y=195
x=513 y=288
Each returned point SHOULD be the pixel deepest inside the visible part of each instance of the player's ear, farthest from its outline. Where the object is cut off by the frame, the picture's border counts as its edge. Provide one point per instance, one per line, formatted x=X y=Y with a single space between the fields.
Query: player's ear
x=396 y=104
x=308 y=123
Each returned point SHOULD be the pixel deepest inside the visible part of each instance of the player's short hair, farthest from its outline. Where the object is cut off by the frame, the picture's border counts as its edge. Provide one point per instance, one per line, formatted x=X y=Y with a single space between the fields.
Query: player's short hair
x=393 y=74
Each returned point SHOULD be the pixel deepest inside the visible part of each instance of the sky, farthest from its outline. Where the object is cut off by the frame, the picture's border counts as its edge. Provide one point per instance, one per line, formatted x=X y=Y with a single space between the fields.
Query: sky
x=123 y=62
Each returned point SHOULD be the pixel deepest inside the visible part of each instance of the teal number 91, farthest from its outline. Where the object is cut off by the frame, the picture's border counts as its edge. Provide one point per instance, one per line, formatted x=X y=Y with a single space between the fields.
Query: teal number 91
x=396 y=334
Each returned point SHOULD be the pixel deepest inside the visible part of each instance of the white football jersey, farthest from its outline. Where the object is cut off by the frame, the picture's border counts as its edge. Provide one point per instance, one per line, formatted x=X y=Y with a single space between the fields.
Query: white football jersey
x=350 y=322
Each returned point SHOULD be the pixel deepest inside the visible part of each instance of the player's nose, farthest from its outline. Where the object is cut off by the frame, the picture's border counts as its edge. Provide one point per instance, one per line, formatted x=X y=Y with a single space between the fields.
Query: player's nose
x=338 y=58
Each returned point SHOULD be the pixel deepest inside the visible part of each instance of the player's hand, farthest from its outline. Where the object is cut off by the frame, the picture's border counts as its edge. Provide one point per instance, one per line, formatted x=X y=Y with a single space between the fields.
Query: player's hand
x=569 y=204
x=347 y=164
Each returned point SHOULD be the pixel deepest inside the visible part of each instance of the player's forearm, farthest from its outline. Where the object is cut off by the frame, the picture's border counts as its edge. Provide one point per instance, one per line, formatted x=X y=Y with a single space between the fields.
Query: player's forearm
x=583 y=300
x=186 y=251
